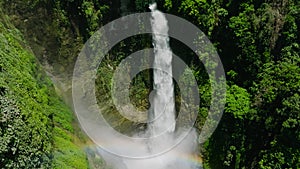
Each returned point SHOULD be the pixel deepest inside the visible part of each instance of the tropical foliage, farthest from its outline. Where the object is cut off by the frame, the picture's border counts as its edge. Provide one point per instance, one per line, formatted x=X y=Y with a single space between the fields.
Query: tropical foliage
x=258 y=42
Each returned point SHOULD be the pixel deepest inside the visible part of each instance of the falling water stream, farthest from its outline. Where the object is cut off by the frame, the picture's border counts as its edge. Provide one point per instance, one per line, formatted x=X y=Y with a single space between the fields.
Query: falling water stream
x=162 y=122
x=163 y=102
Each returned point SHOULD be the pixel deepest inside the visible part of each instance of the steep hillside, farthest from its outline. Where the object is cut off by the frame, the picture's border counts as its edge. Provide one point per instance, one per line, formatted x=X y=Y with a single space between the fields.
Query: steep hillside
x=36 y=128
x=257 y=40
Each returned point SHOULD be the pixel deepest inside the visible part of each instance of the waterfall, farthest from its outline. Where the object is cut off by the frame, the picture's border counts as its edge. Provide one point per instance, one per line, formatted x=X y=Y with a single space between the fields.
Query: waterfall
x=162 y=114
x=163 y=101
x=162 y=148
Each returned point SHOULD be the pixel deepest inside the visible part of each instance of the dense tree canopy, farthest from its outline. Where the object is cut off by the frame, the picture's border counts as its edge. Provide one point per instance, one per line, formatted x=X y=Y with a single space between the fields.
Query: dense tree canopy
x=258 y=42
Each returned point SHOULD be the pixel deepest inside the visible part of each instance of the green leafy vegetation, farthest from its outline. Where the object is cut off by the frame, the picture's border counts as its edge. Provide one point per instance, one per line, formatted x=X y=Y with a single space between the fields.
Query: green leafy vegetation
x=259 y=46
x=36 y=127
x=257 y=40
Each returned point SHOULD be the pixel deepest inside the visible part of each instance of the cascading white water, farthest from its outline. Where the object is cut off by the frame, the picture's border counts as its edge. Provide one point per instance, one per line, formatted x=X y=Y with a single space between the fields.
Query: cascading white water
x=182 y=154
x=163 y=101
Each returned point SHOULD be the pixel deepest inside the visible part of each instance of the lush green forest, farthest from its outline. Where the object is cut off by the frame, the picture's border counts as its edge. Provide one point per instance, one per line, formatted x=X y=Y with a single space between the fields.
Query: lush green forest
x=258 y=42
